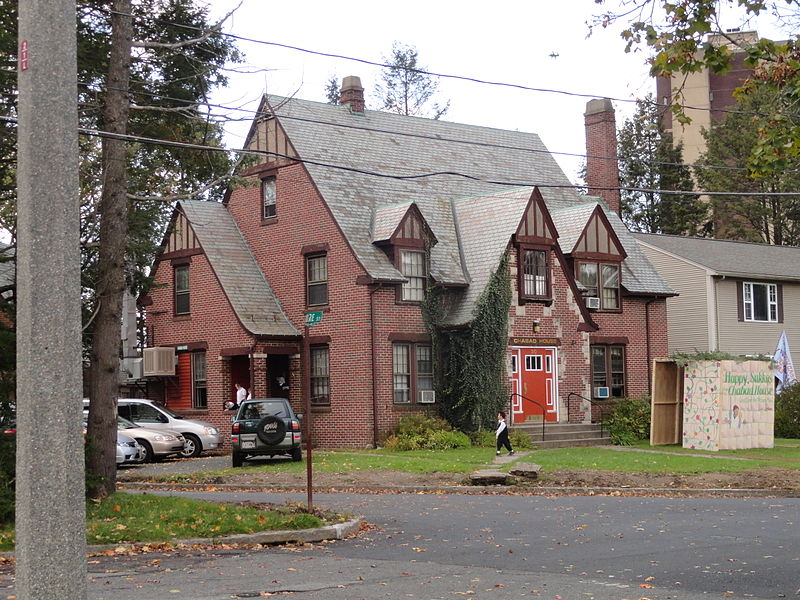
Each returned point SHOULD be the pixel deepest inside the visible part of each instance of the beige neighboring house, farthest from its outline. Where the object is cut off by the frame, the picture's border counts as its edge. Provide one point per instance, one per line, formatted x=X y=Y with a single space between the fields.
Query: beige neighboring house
x=735 y=297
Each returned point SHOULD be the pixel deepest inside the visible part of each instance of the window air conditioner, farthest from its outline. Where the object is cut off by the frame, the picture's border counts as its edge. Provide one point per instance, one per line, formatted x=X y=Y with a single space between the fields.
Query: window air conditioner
x=593 y=302
x=130 y=369
x=601 y=392
x=159 y=362
x=427 y=397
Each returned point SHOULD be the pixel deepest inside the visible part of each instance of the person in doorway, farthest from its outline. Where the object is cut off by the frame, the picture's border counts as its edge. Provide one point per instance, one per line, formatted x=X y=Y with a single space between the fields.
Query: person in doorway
x=502 y=434
x=249 y=393
x=241 y=394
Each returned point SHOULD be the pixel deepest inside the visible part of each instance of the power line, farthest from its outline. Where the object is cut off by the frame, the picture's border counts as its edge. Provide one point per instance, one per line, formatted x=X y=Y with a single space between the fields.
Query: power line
x=418 y=135
x=423 y=71
x=190 y=146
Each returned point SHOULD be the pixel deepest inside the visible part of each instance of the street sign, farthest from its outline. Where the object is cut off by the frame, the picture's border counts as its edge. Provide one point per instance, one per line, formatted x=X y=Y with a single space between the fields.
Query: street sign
x=312 y=318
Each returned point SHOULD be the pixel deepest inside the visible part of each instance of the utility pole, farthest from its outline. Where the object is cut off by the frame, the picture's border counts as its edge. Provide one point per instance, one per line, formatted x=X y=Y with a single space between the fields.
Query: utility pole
x=50 y=517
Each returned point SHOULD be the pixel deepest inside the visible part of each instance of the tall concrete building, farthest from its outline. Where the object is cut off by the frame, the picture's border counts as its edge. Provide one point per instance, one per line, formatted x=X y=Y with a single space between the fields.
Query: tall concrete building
x=706 y=94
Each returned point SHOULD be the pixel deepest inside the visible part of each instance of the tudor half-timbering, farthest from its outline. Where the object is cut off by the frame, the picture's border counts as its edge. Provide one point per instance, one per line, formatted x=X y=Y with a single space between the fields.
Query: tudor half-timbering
x=349 y=218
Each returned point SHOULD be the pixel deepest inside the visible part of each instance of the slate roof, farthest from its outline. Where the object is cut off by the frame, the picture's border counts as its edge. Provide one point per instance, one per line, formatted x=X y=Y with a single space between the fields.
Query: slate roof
x=236 y=268
x=390 y=144
x=731 y=258
x=458 y=176
x=386 y=219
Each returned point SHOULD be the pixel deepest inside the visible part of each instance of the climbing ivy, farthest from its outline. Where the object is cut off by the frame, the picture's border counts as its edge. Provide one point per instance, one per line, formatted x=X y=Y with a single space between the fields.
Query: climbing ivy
x=471 y=360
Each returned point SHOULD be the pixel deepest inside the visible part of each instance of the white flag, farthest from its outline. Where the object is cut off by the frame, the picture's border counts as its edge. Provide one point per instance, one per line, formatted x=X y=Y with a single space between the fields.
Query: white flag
x=784 y=368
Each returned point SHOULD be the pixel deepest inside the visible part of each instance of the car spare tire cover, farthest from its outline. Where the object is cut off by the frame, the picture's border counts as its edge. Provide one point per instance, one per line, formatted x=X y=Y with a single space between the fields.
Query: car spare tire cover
x=271 y=430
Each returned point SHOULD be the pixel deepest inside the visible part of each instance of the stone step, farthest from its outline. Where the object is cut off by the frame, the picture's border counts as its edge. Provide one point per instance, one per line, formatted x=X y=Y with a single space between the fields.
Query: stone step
x=604 y=441
x=562 y=435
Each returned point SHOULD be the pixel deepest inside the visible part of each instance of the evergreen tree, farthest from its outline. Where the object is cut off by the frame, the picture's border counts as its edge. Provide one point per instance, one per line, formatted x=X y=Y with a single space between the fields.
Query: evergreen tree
x=730 y=142
x=649 y=162
x=405 y=89
x=332 y=89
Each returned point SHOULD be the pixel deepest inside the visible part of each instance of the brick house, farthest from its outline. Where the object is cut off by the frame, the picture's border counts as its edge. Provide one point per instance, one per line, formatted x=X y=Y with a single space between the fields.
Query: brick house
x=351 y=213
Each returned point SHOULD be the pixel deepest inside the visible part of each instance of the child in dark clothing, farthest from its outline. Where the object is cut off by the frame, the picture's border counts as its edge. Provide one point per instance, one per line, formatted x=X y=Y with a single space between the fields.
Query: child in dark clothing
x=502 y=434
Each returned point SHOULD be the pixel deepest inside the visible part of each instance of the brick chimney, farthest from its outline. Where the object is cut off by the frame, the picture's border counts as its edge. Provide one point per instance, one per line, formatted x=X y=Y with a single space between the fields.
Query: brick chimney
x=352 y=93
x=602 y=170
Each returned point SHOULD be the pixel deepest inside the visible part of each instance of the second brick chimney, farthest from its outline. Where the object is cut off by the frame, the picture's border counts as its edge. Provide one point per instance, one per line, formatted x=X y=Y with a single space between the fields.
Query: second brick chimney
x=352 y=93
x=602 y=171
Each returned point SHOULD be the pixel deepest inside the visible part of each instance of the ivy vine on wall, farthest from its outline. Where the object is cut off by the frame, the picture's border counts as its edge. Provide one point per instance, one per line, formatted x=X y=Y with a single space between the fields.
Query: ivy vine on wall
x=470 y=360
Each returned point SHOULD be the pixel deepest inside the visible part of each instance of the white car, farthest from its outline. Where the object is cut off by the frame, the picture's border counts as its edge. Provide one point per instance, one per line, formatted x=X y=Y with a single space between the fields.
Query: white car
x=128 y=449
x=151 y=414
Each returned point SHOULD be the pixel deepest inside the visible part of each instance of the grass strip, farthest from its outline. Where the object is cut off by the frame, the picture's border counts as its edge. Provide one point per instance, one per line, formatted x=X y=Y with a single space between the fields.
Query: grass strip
x=133 y=518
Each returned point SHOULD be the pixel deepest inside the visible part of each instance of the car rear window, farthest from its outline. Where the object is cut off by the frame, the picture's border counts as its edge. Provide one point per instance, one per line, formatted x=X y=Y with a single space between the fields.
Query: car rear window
x=259 y=410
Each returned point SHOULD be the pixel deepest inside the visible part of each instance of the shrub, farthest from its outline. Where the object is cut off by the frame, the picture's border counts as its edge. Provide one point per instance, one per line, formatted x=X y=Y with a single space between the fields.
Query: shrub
x=424 y=432
x=629 y=421
x=486 y=439
x=787 y=412
x=7 y=476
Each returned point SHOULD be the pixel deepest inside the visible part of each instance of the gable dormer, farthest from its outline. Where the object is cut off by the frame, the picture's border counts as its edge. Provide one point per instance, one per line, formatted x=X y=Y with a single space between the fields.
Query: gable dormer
x=403 y=233
x=180 y=240
x=535 y=238
x=597 y=255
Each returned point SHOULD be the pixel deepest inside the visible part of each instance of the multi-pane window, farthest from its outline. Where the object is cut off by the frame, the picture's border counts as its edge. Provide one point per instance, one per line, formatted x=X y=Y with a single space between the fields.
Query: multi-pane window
x=320 y=376
x=268 y=197
x=413 y=266
x=760 y=301
x=608 y=369
x=412 y=371
x=534 y=274
x=601 y=280
x=199 y=387
x=317 y=279
x=181 y=278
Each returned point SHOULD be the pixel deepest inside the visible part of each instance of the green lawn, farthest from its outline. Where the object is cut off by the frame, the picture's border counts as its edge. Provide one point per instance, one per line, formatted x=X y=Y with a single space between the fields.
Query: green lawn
x=668 y=459
x=128 y=518
x=460 y=460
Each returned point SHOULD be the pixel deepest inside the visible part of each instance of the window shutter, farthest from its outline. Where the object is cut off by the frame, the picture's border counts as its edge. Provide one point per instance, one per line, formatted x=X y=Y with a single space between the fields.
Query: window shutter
x=740 y=299
x=779 y=294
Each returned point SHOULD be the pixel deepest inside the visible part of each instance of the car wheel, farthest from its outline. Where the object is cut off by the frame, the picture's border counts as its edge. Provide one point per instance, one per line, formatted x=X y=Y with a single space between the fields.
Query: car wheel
x=271 y=430
x=238 y=459
x=297 y=454
x=193 y=447
x=147 y=451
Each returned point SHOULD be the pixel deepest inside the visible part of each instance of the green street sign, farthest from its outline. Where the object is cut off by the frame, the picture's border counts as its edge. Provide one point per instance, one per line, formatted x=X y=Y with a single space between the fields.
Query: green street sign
x=312 y=318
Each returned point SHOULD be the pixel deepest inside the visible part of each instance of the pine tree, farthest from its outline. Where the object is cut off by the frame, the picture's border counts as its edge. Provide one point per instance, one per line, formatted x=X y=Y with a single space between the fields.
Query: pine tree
x=730 y=142
x=649 y=162
x=406 y=89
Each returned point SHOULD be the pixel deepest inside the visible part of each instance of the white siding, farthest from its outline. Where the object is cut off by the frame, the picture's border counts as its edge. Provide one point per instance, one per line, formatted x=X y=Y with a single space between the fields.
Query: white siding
x=687 y=313
x=739 y=337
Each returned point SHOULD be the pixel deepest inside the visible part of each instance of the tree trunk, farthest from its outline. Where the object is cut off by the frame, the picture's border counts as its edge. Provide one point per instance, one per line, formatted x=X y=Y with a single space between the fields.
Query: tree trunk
x=102 y=429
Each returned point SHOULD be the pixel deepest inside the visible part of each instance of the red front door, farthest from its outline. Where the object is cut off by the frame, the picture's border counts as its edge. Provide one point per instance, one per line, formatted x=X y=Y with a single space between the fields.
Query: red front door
x=534 y=380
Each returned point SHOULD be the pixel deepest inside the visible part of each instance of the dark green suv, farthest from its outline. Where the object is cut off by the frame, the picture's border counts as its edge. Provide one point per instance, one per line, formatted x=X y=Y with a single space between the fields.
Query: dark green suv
x=265 y=427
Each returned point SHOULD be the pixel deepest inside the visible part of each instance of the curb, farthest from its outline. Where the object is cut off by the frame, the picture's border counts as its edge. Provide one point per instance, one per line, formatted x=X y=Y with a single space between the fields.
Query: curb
x=337 y=531
x=478 y=489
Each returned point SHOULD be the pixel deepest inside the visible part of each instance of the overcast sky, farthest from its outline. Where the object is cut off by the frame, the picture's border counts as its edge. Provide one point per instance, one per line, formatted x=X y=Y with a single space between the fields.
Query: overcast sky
x=532 y=43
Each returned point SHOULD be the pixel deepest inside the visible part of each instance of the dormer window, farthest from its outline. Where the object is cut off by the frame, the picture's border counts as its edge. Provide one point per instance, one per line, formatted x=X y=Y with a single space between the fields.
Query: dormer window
x=535 y=273
x=601 y=280
x=413 y=265
x=268 y=197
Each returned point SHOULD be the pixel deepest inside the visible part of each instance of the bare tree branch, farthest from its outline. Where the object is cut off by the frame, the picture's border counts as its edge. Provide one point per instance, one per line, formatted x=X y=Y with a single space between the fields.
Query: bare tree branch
x=211 y=31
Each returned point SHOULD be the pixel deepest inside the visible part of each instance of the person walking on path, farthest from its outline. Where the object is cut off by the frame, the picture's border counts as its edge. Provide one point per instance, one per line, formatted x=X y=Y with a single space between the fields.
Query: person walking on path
x=502 y=434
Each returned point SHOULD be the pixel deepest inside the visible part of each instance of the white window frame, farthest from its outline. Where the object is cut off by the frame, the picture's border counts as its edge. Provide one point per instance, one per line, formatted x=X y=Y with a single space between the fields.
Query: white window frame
x=749 y=302
x=269 y=195
x=414 y=265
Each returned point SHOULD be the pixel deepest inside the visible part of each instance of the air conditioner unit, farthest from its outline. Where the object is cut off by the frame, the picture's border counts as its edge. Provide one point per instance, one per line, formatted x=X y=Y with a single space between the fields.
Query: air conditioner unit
x=601 y=392
x=427 y=396
x=159 y=362
x=130 y=369
x=593 y=302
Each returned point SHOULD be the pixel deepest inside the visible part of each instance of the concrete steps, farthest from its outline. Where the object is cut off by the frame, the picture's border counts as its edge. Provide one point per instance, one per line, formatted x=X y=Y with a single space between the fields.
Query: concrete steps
x=565 y=435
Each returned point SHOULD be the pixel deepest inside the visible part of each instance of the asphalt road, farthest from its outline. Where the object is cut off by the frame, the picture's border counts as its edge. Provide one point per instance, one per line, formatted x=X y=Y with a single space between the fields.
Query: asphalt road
x=498 y=547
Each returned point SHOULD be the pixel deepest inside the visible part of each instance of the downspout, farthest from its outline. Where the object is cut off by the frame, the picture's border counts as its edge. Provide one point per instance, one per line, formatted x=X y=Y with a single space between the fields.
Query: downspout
x=647 y=345
x=251 y=387
x=375 y=428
